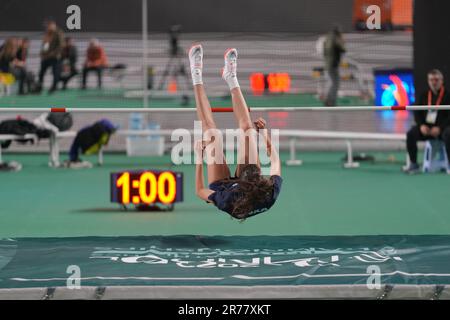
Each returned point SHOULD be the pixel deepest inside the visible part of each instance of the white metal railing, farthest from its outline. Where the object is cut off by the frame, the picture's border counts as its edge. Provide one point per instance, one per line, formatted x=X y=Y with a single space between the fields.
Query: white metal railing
x=292 y=135
x=223 y=109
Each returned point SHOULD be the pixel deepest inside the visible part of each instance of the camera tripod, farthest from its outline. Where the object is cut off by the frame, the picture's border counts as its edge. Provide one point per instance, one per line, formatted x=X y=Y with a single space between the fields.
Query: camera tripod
x=175 y=68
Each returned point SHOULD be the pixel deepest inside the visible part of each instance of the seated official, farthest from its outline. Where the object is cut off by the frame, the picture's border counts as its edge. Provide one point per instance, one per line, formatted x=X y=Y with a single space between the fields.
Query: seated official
x=430 y=124
x=10 y=64
x=52 y=44
x=69 y=58
x=96 y=61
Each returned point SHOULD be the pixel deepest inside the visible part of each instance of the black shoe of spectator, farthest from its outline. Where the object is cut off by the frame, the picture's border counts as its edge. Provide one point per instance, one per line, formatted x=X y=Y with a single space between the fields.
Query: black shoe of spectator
x=413 y=168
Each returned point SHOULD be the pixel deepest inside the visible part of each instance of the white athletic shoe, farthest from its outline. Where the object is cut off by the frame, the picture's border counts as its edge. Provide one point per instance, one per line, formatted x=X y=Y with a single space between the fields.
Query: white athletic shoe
x=229 y=72
x=10 y=166
x=196 y=63
x=77 y=164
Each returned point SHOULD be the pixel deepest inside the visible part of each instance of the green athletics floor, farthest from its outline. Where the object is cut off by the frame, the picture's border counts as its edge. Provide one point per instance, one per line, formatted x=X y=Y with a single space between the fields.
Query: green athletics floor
x=318 y=198
x=115 y=98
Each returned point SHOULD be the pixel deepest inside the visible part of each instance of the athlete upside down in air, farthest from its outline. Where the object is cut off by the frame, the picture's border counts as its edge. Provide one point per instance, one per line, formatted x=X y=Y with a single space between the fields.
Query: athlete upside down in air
x=247 y=193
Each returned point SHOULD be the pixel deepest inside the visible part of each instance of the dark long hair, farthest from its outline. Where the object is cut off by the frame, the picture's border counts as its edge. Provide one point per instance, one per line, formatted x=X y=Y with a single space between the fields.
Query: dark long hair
x=9 y=49
x=253 y=189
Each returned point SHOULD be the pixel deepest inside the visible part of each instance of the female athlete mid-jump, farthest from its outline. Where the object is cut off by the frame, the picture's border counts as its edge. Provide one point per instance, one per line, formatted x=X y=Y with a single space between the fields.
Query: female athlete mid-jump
x=247 y=193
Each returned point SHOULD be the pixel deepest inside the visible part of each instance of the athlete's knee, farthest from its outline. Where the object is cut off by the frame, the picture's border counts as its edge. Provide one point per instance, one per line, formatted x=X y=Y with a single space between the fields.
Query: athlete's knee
x=413 y=134
x=245 y=125
x=209 y=125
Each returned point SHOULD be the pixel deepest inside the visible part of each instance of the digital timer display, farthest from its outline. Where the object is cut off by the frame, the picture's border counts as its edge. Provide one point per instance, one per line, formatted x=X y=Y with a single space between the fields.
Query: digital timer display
x=272 y=82
x=146 y=187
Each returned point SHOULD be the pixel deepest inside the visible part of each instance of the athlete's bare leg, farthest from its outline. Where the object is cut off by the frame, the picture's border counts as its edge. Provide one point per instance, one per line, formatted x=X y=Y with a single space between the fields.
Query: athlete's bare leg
x=217 y=167
x=248 y=143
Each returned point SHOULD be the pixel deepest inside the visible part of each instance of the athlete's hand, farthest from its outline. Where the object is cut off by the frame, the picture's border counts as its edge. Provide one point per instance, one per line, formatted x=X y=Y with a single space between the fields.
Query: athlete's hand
x=260 y=123
x=198 y=150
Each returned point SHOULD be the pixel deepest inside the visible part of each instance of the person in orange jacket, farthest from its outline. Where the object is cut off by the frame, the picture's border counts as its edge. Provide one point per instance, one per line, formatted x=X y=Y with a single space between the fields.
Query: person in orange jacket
x=96 y=60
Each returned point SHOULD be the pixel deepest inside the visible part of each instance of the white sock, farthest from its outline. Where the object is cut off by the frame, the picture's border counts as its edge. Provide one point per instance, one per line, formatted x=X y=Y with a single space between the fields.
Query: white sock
x=232 y=81
x=196 y=63
x=229 y=73
x=196 y=76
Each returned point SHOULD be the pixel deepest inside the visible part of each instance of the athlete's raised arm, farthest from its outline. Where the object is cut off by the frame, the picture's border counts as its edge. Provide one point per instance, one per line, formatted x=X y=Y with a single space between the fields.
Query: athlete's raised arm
x=200 y=190
x=275 y=164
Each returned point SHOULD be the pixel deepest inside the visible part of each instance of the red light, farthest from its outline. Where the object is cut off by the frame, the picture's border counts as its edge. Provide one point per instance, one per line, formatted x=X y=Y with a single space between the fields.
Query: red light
x=257 y=83
x=279 y=82
x=276 y=83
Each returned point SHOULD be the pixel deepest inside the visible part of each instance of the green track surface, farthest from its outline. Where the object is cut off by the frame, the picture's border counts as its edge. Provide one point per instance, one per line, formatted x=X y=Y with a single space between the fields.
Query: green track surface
x=115 y=99
x=318 y=198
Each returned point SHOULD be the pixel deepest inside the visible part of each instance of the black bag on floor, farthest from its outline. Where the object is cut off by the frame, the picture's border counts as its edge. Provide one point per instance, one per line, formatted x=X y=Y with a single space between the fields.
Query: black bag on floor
x=21 y=127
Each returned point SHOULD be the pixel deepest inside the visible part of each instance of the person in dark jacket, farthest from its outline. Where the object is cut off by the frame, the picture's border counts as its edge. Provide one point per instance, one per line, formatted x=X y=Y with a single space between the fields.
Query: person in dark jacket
x=52 y=45
x=90 y=140
x=334 y=48
x=69 y=59
x=23 y=46
x=430 y=124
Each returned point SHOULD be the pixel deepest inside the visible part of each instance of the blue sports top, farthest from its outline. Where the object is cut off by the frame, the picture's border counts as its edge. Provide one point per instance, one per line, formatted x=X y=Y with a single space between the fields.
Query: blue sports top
x=226 y=193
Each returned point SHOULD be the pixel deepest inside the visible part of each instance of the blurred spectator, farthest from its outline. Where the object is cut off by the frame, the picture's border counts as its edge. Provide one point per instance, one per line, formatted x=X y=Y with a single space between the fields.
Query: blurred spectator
x=10 y=64
x=69 y=59
x=23 y=46
x=96 y=60
x=430 y=124
x=333 y=50
x=52 y=45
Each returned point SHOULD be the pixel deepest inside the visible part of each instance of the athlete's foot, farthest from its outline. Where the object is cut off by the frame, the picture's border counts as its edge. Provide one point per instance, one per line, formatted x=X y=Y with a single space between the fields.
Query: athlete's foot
x=229 y=72
x=196 y=63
